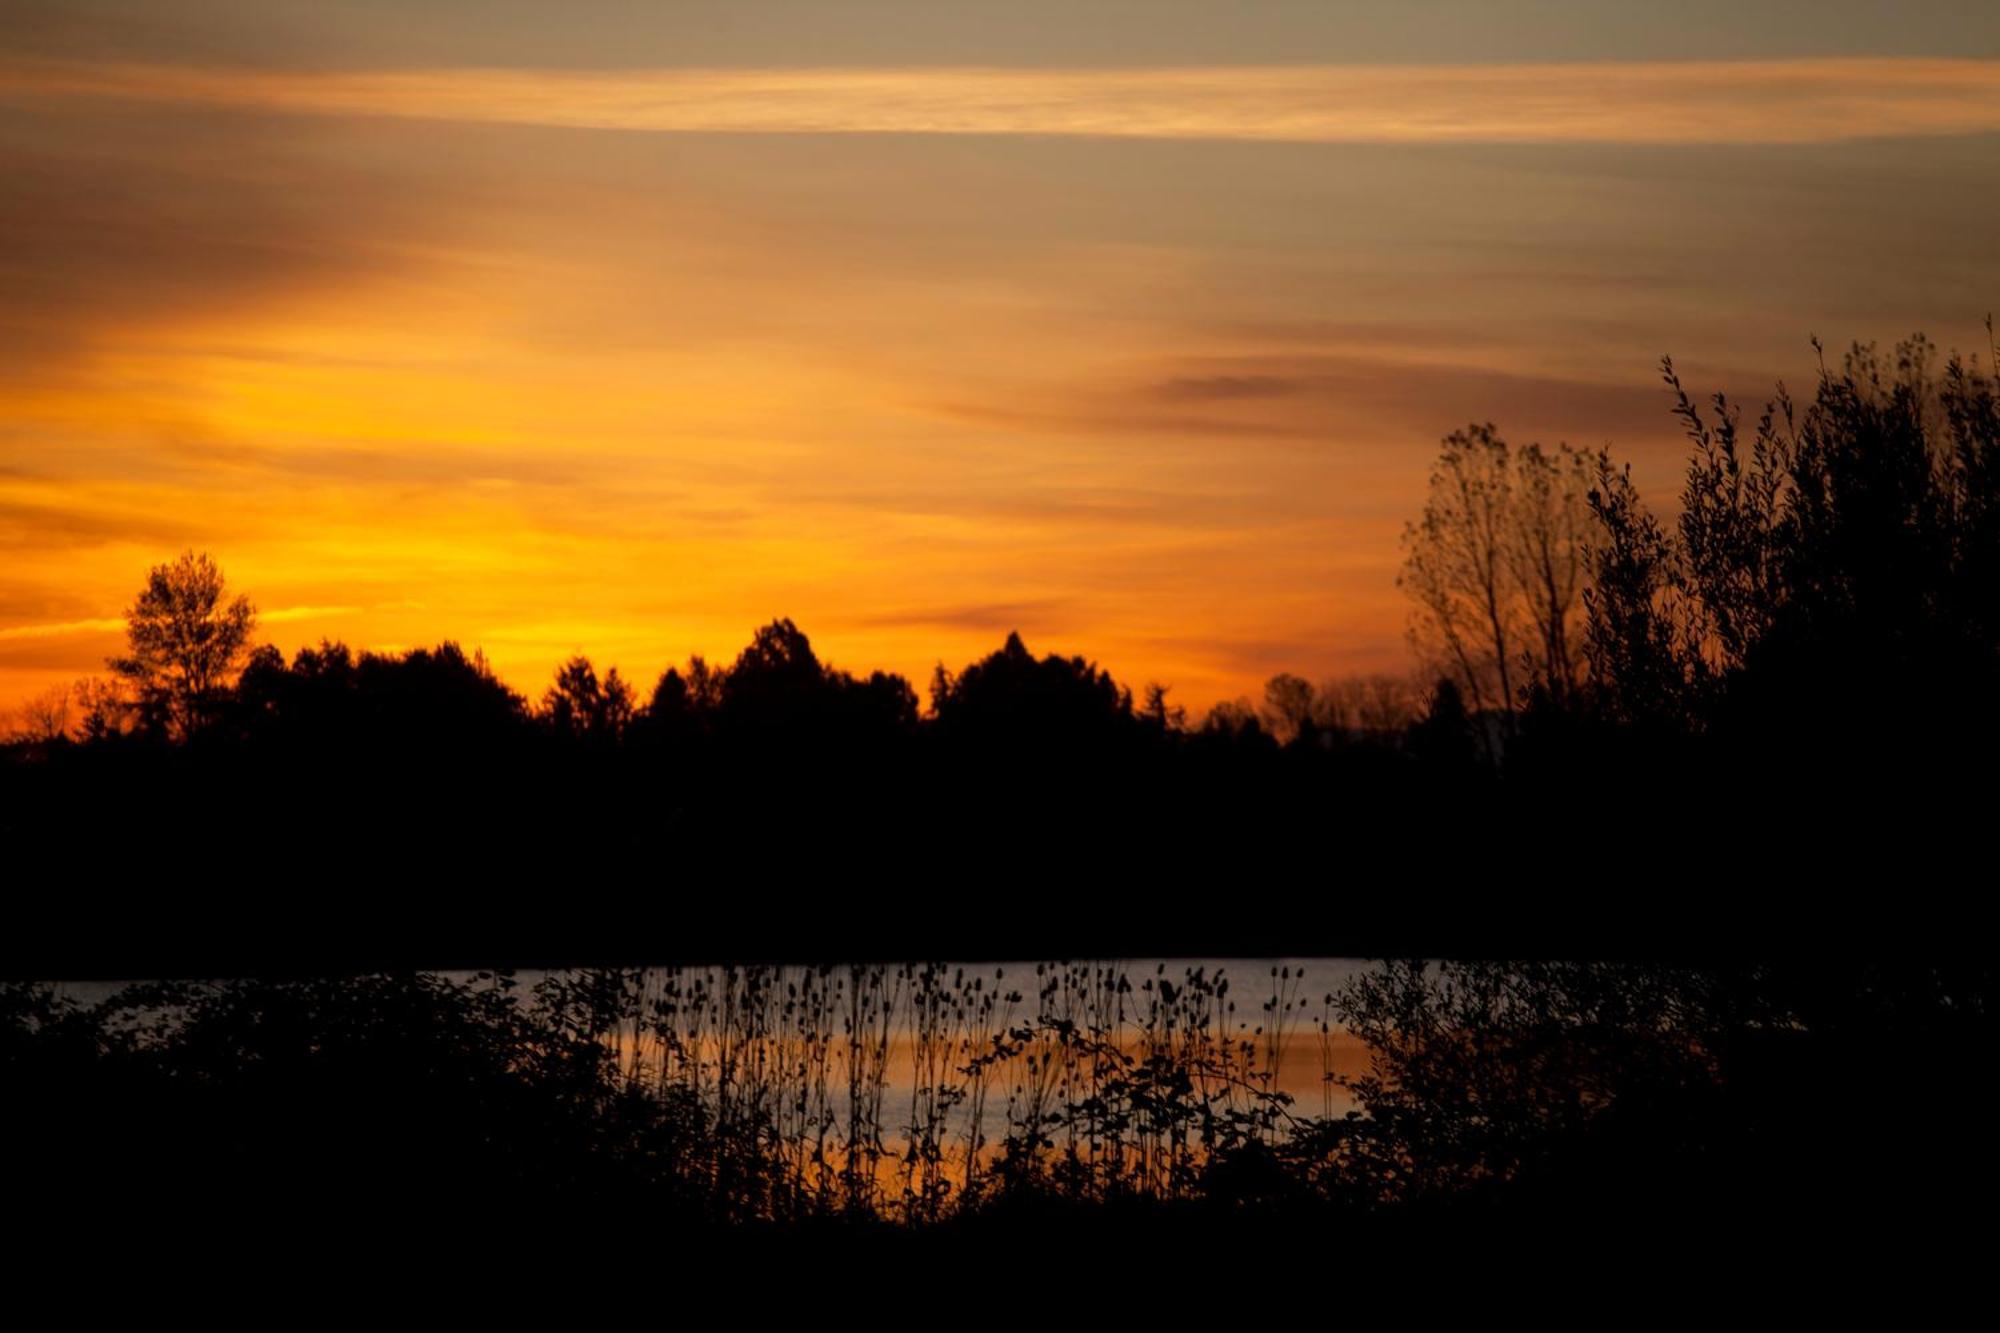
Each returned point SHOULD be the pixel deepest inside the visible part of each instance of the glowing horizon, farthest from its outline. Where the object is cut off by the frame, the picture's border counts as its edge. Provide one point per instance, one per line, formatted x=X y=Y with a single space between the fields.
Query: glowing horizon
x=628 y=332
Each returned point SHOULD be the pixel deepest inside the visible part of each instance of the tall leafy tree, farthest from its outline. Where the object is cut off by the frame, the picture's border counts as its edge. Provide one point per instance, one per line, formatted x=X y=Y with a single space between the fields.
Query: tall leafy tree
x=185 y=641
x=1495 y=567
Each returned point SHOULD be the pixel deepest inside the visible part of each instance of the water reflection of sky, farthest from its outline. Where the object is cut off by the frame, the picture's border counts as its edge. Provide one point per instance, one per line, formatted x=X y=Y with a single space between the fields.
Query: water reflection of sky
x=1297 y=1063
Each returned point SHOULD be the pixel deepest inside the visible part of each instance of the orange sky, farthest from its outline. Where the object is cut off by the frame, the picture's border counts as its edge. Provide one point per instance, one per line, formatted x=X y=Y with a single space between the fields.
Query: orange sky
x=625 y=340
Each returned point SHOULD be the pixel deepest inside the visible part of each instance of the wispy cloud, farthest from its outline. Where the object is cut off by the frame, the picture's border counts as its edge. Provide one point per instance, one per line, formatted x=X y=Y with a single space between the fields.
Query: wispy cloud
x=288 y=614
x=1208 y=388
x=987 y=617
x=1751 y=101
x=61 y=629
x=106 y=625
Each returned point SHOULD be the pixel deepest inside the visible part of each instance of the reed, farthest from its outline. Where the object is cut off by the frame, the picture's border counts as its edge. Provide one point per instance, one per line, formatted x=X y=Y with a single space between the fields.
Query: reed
x=913 y=1092
x=916 y=1093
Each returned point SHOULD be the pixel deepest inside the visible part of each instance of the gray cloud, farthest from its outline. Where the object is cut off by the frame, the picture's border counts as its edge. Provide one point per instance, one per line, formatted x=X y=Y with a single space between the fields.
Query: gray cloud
x=998 y=617
x=1101 y=419
x=122 y=219
x=36 y=528
x=36 y=603
x=613 y=33
x=1208 y=388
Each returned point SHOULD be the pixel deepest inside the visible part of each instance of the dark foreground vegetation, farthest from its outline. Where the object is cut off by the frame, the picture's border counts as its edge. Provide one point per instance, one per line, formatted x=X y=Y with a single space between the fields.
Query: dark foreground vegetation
x=1558 y=1113
x=1638 y=737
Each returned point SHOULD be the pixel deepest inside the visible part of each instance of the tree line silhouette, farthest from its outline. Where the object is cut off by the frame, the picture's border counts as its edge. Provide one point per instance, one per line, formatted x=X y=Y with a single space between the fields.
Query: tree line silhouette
x=1802 y=660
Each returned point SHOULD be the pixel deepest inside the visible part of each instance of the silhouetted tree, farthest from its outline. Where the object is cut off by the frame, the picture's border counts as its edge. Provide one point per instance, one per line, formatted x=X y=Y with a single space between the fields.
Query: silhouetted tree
x=1495 y=566
x=439 y=697
x=1161 y=714
x=1011 y=699
x=312 y=704
x=47 y=717
x=580 y=707
x=103 y=709
x=1548 y=555
x=704 y=684
x=1374 y=707
x=883 y=704
x=671 y=697
x=1288 y=707
x=184 y=643
x=1828 y=580
x=1642 y=667
x=1443 y=738
x=1456 y=570
x=1235 y=721
x=776 y=684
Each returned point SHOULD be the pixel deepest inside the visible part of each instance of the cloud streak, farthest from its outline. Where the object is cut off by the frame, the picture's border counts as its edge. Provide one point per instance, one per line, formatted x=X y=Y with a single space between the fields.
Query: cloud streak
x=105 y=625
x=1749 y=101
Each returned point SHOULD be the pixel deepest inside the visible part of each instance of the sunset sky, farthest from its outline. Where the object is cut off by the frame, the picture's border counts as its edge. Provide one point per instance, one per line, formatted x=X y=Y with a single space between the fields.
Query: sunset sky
x=624 y=327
